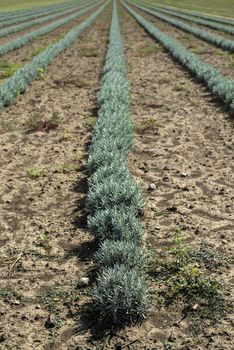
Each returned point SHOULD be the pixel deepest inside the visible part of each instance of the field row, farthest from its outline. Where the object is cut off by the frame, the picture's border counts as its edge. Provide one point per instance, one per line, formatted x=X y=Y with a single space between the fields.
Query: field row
x=24 y=39
x=216 y=40
x=218 y=84
x=217 y=24
x=16 y=28
x=47 y=224
x=6 y=21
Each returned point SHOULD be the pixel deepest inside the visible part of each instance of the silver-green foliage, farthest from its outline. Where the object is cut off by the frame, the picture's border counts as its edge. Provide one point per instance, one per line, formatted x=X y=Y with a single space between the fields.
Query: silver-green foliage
x=116 y=223
x=203 y=22
x=216 y=40
x=120 y=296
x=28 y=11
x=114 y=199
x=114 y=190
x=219 y=85
x=112 y=253
x=24 y=39
x=28 y=24
x=24 y=75
x=222 y=20
x=30 y=16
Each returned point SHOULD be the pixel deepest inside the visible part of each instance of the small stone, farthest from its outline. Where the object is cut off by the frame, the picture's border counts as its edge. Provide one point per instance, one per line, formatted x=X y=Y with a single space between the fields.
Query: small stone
x=152 y=187
x=37 y=307
x=183 y=174
x=83 y=282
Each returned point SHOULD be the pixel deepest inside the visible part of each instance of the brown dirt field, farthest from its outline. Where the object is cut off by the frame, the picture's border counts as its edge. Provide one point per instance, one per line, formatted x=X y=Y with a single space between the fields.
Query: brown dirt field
x=189 y=157
x=43 y=236
x=222 y=60
x=183 y=145
x=23 y=54
x=25 y=31
x=207 y=29
x=214 y=31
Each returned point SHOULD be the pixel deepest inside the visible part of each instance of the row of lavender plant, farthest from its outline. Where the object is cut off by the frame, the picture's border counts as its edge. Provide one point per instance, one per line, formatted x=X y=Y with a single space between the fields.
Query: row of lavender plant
x=18 y=83
x=114 y=200
x=16 y=28
x=24 y=39
x=210 y=17
x=204 y=22
x=219 y=85
x=30 y=16
x=217 y=40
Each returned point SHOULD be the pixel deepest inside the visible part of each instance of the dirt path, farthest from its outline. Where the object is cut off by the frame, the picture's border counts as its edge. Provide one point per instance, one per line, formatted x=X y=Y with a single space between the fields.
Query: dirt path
x=42 y=225
x=222 y=60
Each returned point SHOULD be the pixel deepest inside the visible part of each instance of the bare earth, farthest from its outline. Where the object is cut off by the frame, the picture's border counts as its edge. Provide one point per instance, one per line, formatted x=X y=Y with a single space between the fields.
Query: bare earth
x=186 y=151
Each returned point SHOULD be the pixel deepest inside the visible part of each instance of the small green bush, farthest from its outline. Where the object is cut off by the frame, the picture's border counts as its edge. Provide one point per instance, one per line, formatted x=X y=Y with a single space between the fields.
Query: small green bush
x=113 y=253
x=120 y=296
x=114 y=191
x=115 y=223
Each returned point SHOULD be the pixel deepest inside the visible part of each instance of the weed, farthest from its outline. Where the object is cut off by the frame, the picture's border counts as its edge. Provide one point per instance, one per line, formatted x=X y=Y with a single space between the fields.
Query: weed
x=65 y=168
x=36 y=122
x=148 y=123
x=55 y=40
x=67 y=105
x=220 y=53
x=149 y=49
x=40 y=73
x=7 y=69
x=90 y=122
x=185 y=37
x=180 y=87
x=181 y=252
x=37 y=51
x=45 y=242
x=190 y=282
x=89 y=52
x=52 y=300
x=231 y=60
x=169 y=346
x=140 y=98
x=184 y=274
x=6 y=293
x=11 y=296
x=35 y=172
x=210 y=259
x=196 y=50
x=66 y=135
